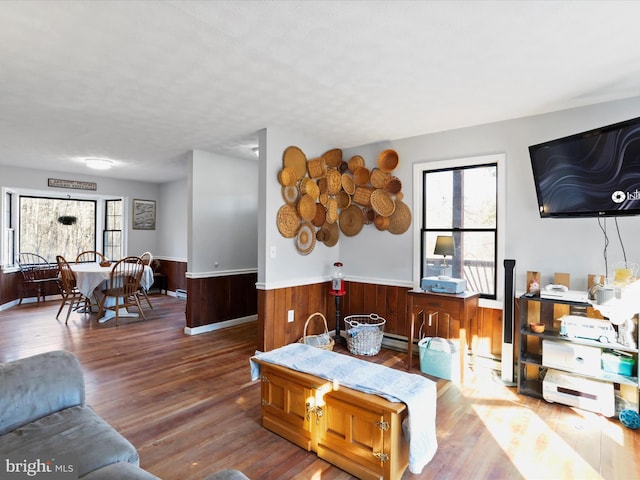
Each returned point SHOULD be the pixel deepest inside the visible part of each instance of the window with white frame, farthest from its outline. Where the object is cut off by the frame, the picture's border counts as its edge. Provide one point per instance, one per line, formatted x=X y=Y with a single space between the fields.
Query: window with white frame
x=459 y=200
x=51 y=226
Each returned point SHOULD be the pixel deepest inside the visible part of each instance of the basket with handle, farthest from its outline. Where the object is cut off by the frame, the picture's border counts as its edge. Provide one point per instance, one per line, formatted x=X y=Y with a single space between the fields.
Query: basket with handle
x=322 y=340
x=364 y=333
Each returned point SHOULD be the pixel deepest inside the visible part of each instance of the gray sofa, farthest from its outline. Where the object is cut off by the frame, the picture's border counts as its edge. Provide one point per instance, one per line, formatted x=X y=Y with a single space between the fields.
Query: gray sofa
x=43 y=412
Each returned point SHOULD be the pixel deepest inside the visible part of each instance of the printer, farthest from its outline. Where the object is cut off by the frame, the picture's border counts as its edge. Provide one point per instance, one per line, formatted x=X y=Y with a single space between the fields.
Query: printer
x=442 y=284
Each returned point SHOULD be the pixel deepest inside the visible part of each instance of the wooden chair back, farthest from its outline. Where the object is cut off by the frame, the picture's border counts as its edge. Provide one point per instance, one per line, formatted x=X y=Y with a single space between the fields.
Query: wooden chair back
x=67 y=277
x=125 y=277
x=147 y=258
x=90 y=256
x=34 y=267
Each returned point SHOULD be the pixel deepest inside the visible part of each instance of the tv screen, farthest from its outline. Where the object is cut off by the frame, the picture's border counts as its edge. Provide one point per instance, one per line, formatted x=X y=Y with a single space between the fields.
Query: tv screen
x=589 y=174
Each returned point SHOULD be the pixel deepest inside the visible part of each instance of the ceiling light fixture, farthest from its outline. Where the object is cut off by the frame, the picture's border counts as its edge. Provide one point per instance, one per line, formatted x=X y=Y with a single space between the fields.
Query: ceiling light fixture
x=98 y=163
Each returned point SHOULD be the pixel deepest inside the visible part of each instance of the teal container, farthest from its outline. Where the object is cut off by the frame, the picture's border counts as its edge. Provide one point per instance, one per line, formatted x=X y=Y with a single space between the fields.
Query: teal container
x=440 y=358
x=614 y=362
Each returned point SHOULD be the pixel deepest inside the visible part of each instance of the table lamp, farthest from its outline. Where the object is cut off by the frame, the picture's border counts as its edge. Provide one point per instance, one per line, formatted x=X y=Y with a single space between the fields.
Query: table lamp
x=444 y=247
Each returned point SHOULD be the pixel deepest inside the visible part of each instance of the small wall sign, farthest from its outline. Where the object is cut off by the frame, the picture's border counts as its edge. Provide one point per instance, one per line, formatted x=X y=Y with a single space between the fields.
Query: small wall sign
x=75 y=184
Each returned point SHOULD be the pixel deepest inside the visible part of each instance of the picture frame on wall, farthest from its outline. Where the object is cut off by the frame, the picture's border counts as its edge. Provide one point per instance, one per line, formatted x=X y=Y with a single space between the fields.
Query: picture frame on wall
x=144 y=214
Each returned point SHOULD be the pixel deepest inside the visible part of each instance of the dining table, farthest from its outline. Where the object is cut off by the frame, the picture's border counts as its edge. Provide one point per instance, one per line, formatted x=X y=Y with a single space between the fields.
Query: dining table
x=90 y=278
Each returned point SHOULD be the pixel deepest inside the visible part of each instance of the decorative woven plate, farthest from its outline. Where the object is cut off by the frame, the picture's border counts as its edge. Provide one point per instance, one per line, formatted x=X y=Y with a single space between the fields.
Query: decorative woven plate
x=334 y=181
x=378 y=177
x=369 y=214
x=348 y=185
x=288 y=221
x=333 y=157
x=362 y=196
x=343 y=199
x=317 y=167
x=361 y=176
x=381 y=223
x=355 y=162
x=307 y=207
x=306 y=239
x=295 y=158
x=321 y=215
x=332 y=210
x=287 y=177
x=324 y=198
x=290 y=194
x=392 y=185
x=400 y=220
x=351 y=220
x=388 y=160
x=382 y=203
x=322 y=185
x=329 y=234
x=310 y=187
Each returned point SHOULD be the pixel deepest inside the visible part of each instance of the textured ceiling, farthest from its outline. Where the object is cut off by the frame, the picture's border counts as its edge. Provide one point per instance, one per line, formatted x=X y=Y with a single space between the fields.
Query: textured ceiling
x=145 y=82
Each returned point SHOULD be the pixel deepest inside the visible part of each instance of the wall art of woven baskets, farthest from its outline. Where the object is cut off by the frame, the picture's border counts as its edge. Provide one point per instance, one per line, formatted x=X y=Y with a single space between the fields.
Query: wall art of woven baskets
x=321 y=189
x=364 y=333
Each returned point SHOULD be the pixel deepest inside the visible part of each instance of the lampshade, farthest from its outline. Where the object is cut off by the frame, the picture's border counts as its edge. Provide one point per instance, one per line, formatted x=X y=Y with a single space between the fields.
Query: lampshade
x=444 y=246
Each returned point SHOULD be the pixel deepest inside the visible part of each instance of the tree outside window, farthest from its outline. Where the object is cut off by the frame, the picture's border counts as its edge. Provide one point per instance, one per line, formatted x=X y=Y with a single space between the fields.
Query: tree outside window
x=461 y=202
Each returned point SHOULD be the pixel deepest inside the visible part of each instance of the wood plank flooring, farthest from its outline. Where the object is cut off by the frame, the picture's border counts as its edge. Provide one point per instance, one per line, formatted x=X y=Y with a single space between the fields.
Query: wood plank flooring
x=188 y=405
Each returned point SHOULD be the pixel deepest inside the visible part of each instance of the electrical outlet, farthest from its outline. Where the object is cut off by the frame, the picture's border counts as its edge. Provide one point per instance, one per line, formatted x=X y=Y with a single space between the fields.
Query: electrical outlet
x=290 y=316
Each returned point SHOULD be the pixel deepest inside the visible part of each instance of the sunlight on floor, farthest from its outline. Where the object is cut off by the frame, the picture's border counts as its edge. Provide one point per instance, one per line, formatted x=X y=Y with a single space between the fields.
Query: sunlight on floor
x=552 y=449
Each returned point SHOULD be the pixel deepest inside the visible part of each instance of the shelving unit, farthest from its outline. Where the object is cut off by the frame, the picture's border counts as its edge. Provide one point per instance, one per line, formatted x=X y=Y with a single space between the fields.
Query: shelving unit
x=531 y=368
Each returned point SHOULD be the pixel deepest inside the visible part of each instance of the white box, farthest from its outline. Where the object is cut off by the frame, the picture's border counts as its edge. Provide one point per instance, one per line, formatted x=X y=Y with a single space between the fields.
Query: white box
x=586 y=393
x=572 y=357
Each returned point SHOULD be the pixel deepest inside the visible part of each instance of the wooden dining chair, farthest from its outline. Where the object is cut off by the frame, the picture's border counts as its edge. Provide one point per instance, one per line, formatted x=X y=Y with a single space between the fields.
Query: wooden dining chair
x=71 y=296
x=122 y=286
x=146 y=258
x=91 y=256
x=37 y=274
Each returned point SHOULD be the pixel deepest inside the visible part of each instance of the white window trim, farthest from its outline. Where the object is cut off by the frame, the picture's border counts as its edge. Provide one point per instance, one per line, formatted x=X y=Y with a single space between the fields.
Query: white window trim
x=8 y=265
x=418 y=171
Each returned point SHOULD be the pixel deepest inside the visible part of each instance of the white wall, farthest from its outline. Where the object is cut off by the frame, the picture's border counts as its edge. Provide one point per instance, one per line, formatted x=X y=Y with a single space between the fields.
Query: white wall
x=222 y=197
x=289 y=267
x=36 y=180
x=172 y=221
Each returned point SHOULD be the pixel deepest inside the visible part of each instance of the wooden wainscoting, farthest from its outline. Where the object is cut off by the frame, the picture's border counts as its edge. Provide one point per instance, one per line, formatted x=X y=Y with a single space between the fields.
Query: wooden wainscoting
x=176 y=274
x=390 y=302
x=273 y=305
x=217 y=299
x=11 y=285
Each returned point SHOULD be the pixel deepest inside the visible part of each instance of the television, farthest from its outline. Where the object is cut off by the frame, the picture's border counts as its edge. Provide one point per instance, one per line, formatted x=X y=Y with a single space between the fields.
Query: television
x=590 y=174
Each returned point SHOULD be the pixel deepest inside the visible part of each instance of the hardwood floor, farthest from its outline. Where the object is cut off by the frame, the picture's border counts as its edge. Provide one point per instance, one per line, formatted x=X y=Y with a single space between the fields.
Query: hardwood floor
x=189 y=407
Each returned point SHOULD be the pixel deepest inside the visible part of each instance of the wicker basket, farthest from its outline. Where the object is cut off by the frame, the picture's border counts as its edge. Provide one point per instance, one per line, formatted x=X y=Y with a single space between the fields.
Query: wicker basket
x=322 y=340
x=364 y=333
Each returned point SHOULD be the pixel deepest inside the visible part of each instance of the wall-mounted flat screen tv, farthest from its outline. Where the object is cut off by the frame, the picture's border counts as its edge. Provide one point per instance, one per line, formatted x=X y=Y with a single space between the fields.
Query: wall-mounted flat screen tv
x=589 y=174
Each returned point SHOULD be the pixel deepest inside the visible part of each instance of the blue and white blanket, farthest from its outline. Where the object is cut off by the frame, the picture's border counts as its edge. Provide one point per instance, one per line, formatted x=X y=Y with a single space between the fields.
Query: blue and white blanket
x=417 y=392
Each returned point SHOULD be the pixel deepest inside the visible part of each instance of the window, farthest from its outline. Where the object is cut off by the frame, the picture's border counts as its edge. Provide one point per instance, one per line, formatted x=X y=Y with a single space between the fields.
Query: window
x=50 y=226
x=9 y=253
x=460 y=200
x=112 y=234
x=54 y=226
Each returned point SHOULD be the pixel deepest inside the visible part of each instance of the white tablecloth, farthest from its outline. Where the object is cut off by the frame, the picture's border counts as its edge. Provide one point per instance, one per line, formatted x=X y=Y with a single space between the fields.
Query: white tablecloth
x=90 y=275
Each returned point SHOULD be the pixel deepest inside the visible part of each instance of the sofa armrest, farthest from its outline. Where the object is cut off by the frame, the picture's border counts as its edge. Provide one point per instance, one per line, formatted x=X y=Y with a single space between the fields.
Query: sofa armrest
x=37 y=386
